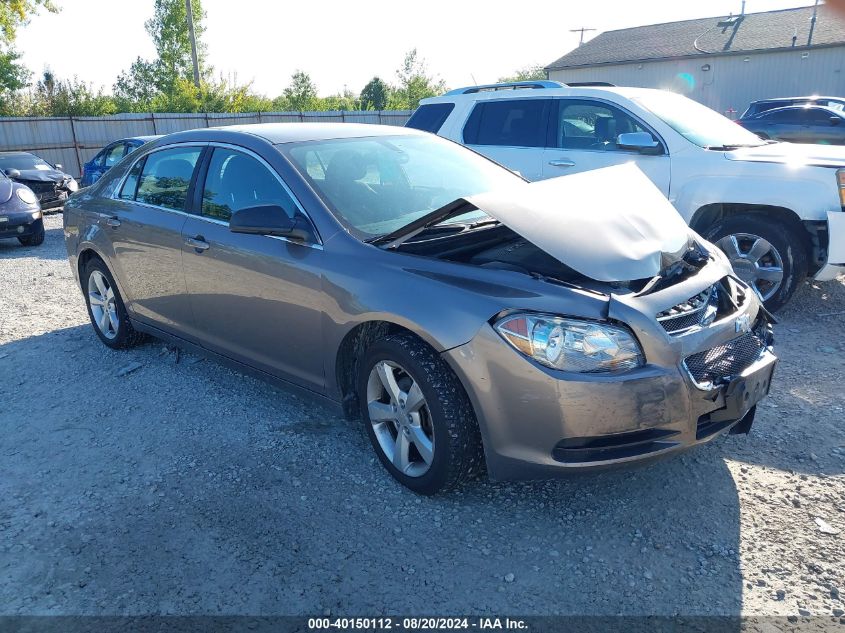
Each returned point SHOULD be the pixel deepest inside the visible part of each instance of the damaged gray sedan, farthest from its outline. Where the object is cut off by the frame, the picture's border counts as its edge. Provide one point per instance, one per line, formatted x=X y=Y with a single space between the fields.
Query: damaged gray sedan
x=470 y=319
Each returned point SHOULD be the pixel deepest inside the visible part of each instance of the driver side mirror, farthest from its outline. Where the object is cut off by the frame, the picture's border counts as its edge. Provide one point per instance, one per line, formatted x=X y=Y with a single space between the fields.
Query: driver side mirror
x=835 y=120
x=13 y=173
x=58 y=166
x=642 y=142
x=269 y=219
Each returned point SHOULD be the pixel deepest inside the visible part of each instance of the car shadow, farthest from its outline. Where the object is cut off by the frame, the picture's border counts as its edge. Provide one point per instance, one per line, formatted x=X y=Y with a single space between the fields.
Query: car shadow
x=11 y=248
x=150 y=482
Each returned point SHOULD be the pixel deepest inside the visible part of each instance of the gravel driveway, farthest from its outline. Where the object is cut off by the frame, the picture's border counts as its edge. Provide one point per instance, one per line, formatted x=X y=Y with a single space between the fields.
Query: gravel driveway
x=154 y=482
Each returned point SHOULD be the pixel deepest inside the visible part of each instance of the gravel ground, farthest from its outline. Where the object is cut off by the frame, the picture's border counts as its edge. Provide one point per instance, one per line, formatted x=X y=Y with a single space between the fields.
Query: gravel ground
x=185 y=488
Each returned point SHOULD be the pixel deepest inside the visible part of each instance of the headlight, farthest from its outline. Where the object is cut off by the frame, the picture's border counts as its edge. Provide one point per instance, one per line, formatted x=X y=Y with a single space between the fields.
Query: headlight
x=72 y=185
x=570 y=344
x=26 y=195
x=840 y=179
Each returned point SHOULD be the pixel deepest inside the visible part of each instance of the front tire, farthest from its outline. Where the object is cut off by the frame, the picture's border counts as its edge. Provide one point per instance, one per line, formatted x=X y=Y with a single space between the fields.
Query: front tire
x=37 y=238
x=765 y=253
x=417 y=415
x=105 y=307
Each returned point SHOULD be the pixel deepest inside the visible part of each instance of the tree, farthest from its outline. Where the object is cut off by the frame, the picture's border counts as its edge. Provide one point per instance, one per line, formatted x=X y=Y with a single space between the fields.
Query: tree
x=301 y=94
x=375 y=94
x=16 y=13
x=56 y=97
x=528 y=73
x=13 y=15
x=414 y=83
x=146 y=81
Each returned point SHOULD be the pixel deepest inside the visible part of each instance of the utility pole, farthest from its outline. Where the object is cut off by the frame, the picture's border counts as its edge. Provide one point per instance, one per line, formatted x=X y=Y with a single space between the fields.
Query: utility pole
x=193 y=38
x=581 y=31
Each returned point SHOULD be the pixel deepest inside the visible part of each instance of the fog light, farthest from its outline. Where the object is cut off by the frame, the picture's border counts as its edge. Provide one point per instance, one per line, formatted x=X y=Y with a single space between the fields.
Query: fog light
x=36 y=215
x=20 y=229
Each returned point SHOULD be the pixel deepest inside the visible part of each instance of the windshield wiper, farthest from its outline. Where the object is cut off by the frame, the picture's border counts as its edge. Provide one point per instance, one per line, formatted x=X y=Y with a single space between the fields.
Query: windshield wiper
x=404 y=233
x=728 y=148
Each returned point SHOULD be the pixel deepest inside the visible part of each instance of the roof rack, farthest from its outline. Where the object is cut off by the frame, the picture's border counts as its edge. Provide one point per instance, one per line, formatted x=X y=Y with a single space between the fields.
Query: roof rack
x=591 y=84
x=511 y=85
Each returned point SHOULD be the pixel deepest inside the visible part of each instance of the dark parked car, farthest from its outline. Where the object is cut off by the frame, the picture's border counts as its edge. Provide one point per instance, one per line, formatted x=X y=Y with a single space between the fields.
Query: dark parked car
x=756 y=107
x=20 y=213
x=466 y=315
x=48 y=182
x=799 y=124
x=109 y=156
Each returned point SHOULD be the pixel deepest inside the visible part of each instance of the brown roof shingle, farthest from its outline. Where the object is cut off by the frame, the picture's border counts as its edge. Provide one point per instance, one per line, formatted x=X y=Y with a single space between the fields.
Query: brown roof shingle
x=709 y=36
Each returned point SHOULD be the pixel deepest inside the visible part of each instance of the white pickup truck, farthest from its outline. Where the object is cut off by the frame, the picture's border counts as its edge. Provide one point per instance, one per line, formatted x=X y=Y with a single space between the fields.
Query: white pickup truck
x=776 y=209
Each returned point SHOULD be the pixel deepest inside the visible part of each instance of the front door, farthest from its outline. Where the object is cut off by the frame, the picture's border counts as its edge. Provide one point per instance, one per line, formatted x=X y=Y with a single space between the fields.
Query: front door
x=255 y=299
x=585 y=133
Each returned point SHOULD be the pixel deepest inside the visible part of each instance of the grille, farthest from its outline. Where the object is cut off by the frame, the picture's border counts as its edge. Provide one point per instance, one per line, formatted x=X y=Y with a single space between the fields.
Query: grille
x=691 y=313
x=42 y=188
x=729 y=359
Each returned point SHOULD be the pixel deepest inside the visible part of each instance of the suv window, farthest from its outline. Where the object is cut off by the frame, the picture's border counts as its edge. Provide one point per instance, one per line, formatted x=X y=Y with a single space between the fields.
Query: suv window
x=236 y=181
x=113 y=155
x=592 y=125
x=790 y=116
x=815 y=116
x=166 y=176
x=510 y=122
x=429 y=118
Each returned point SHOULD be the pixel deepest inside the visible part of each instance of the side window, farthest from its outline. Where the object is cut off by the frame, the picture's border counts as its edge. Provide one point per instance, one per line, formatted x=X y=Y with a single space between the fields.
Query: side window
x=130 y=185
x=99 y=158
x=510 y=122
x=816 y=116
x=429 y=118
x=166 y=176
x=236 y=181
x=113 y=155
x=592 y=125
x=783 y=116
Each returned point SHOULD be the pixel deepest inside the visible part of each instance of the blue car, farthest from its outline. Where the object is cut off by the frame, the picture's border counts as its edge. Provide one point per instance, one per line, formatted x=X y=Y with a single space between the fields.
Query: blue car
x=109 y=156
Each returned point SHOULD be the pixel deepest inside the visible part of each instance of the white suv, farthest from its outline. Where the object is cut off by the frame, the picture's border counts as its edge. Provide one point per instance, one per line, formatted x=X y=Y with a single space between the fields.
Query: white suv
x=776 y=209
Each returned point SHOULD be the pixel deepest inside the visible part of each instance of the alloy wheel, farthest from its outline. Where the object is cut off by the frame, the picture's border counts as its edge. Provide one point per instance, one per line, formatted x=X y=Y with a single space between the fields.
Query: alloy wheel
x=755 y=261
x=400 y=418
x=103 y=306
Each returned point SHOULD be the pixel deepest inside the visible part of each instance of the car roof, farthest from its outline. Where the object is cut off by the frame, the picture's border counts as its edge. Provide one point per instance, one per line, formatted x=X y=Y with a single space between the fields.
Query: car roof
x=810 y=98
x=18 y=154
x=298 y=132
x=562 y=91
x=143 y=139
x=810 y=106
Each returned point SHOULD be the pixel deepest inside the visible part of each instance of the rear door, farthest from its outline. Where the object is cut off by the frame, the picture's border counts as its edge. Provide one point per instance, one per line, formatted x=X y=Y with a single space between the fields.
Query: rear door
x=255 y=299
x=512 y=132
x=585 y=132
x=145 y=226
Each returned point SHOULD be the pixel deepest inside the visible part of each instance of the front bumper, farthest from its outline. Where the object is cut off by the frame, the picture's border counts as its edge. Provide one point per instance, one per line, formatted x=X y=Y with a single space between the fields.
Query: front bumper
x=53 y=200
x=538 y=422
x=835 y=265
x=18 y=225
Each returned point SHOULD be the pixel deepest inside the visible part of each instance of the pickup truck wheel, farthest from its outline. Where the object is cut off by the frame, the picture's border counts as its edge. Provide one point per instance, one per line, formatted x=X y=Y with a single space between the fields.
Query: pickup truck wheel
x=417 y=415
x=765 y=253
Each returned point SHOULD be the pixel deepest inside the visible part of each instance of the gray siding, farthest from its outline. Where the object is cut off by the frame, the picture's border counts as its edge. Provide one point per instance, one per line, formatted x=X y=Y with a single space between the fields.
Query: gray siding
x=731 y=83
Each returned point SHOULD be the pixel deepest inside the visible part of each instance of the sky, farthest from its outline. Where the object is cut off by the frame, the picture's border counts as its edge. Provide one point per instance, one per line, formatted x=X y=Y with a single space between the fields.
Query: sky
x=345 y=43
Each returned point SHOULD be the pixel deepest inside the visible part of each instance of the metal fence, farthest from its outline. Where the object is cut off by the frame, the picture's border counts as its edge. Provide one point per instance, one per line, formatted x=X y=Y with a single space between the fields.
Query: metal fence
x=72 y=141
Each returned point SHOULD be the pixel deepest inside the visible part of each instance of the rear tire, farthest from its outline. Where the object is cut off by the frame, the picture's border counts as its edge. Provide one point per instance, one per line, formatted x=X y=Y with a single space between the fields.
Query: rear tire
x=435 y=413
x=759 y=246
x=105 y=307
x=37 y=238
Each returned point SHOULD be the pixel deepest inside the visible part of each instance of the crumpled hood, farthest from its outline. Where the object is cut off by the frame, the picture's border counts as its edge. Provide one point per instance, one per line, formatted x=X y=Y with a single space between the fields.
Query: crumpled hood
x=43 y=175
x=6 y=189
x=796 y=154
x=609 y=224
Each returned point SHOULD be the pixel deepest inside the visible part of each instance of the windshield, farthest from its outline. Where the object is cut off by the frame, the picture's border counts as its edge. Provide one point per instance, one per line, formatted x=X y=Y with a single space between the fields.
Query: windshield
x=695 y=122
x=23 y=162
x=377 y=185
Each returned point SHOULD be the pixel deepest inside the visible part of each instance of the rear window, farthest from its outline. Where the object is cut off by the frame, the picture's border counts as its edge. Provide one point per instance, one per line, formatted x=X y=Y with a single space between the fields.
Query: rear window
x=430 y=118
x=511 y=122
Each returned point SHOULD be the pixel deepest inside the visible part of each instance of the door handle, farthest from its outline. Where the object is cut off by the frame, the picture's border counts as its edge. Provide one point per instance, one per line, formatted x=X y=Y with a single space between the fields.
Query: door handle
x=198 y=243
x=562 y=163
